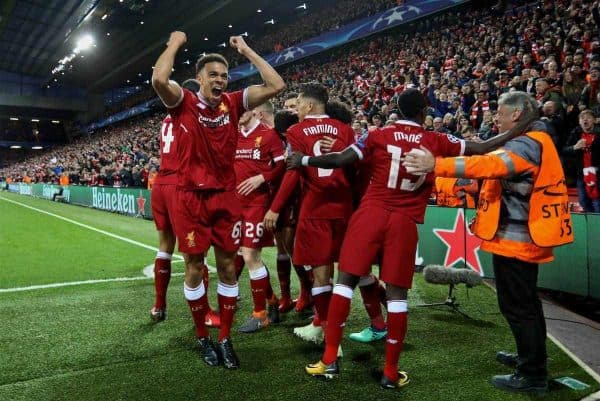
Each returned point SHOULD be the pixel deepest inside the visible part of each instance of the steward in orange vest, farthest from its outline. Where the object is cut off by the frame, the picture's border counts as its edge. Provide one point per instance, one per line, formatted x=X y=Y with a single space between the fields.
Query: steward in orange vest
x=536 y=216
x=522 y=213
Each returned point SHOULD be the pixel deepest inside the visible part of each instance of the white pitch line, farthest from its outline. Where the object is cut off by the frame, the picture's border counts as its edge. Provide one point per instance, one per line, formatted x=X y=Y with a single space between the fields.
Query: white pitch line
x=124 y=239
x=71 y=283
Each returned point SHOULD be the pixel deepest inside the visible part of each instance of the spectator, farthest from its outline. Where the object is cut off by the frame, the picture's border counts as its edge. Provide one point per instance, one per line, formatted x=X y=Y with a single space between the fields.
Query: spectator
x=584 y=142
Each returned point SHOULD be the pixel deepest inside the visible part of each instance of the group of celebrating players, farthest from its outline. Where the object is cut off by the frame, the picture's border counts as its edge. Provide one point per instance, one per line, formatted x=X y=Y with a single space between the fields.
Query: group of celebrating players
x=343 y=198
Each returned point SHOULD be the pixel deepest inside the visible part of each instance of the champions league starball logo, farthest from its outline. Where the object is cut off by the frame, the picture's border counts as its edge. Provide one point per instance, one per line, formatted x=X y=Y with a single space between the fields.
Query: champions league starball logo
x=290 y=54
x=395 y=14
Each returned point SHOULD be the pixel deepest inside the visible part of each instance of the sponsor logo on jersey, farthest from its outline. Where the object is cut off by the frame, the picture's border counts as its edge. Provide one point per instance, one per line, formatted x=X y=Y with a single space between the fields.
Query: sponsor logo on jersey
x=214 y=122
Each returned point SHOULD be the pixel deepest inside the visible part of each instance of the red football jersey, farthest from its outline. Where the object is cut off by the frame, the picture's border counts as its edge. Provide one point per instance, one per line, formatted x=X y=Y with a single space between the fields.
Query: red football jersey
x=258 y=149
x=391 y=186
x=207 y=140
x=326 y=193
x=167 y=174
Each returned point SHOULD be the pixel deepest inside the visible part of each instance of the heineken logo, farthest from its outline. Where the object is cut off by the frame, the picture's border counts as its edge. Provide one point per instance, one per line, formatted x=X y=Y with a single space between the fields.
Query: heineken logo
x=114 y=201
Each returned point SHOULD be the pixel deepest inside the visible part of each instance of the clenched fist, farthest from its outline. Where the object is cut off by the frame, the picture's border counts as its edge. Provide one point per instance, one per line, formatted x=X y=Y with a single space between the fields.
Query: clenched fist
x=177 y=38
x=238 y=43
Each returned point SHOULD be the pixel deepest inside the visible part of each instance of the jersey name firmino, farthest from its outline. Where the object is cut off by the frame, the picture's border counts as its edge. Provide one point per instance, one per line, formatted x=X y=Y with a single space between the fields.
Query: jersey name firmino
x=320 y=129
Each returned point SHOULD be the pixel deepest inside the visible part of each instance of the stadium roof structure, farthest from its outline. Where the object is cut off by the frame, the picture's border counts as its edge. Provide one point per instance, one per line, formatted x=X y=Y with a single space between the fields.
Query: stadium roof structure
x=36 y=36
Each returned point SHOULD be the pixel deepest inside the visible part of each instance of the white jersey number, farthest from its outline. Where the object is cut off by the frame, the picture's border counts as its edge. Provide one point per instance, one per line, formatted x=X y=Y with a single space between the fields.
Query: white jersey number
x=167 y=137
x=322 y=172
x=405 y=184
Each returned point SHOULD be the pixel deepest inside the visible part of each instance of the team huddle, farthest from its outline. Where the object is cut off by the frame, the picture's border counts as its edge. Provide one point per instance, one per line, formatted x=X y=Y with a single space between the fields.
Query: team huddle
x=346 y=198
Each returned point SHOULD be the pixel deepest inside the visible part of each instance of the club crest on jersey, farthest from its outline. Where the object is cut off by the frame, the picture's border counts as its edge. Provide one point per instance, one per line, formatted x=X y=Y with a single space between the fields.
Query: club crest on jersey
x=191 y=239
x=223 y=107
x=257 y=142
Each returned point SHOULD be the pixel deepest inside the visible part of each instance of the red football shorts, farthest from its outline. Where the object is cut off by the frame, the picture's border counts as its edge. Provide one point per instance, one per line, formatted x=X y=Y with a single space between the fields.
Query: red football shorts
x=205 y=218
x=163 y=199
x=254 y=234
x=391 y=235
x=318 y=241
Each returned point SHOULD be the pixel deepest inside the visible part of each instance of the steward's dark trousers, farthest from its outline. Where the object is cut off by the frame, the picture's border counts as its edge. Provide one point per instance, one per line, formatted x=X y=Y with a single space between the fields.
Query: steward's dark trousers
x=516 y=284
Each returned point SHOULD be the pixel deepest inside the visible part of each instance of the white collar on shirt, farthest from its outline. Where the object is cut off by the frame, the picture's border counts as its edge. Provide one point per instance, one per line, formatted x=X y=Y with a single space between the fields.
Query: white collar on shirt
x=247 y=133
x=316 y=116
x=204 y=103
x=407 y=122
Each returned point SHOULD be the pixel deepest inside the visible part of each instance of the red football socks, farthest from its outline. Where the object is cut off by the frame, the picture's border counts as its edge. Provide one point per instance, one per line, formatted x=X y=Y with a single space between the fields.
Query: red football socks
x=397 y=325
x=339 y=309
x=227 y=294
x=321 y=297
x=371 y=299
x=162 y=276
x=259 y=281
x=198 y=303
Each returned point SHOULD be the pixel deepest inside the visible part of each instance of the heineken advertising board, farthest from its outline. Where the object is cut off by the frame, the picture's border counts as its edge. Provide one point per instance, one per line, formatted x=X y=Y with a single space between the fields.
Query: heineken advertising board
x=444 y=239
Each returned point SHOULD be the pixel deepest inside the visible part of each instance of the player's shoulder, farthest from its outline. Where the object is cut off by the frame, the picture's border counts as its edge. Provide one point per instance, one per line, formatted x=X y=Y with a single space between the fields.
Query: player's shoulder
x=296 y=128
x=231 y=96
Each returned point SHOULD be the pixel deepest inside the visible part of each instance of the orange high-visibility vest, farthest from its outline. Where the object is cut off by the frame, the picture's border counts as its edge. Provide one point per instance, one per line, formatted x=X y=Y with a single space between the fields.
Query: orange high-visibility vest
x=549 y=217
x=446 y=190
x=64 y=180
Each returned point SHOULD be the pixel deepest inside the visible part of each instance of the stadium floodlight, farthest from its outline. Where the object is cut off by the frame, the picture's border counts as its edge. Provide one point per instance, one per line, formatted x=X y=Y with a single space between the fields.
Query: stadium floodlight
x=37 y=147
x=245 y=34
x=15 y=147
x=35 y=120
x=14 y=119
x=223 y=45
x=205 y=38
x=303 y=6
x=271 y=21
x=85 y=42
x=55 y=122
x=230 y=26
x=259 y=11
x=187 y=62
x=105 y=16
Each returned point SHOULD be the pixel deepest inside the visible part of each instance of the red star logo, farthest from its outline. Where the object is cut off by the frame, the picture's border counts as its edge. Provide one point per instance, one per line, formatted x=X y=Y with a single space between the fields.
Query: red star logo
x=141 y=202
x=462 y=246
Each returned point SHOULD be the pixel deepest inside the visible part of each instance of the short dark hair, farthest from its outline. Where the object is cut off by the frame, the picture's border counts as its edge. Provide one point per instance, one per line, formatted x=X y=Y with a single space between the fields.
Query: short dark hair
x=290 y=95
x=210 y=58
x=316 y=91
x=284 y=119
x=191 y=85
x=339 y=111
x=411 y=102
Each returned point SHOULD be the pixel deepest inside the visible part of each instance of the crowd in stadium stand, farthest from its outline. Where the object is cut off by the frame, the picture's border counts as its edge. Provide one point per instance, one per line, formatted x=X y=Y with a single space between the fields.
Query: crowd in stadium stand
x=121 y=156
x=463 y=63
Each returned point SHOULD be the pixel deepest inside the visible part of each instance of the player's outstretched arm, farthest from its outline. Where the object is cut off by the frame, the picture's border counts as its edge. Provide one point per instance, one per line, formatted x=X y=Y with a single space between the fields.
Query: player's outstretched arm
x=330 y=160
x=273 y=83
x=169 y=91
x=479 y=148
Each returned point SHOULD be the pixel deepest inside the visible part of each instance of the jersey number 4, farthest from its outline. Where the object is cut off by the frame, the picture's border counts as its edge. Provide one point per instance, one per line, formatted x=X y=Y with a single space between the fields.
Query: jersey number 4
x=405 y=184
x=167 y=137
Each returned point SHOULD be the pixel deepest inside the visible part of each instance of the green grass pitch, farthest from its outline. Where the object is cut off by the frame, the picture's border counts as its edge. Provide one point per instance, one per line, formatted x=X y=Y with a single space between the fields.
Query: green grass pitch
x=96 y=342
